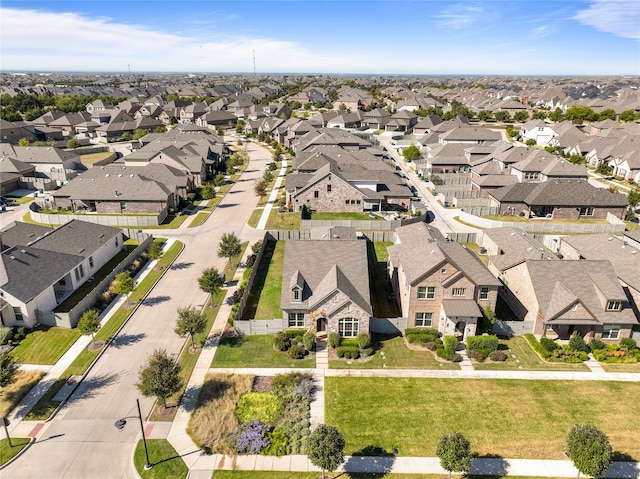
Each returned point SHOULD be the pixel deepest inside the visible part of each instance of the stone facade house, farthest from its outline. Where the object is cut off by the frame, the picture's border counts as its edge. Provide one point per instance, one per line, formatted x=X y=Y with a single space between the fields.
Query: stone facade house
x=439 y=284
x=325 y=286
x=37 y=275
x=565 y=298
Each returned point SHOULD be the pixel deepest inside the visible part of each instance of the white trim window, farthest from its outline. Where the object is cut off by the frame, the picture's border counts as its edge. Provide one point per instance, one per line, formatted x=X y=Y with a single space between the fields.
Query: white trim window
x=610 y=331
x=426 y=292
x=484 y=292
x=587 y=211
x=348 y=327
x=458 y=291
x=614 y=305
x=424 y=320
x=295 y=320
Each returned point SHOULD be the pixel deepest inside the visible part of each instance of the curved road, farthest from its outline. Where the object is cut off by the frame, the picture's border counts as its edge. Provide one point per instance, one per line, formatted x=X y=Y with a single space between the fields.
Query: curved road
x=81 y=441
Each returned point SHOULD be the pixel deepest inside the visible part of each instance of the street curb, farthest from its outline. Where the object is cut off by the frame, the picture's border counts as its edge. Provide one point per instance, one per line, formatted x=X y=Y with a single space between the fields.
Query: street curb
x=106 y=346
x=10 y=461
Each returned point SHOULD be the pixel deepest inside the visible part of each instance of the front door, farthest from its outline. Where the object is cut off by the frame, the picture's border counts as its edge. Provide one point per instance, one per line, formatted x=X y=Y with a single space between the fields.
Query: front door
x=321 y=325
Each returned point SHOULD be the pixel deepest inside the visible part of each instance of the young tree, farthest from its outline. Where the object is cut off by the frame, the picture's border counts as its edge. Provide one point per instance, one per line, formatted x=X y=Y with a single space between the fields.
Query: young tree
x=633 y=197
x=209 y=191
x=411 y=153
x=160 y=378
x=219 y=180
x=260 y=188
x=190 y=322
x=73 y=144
x=267 y=176
x=124 y=284
x=589 y=449
x=229 y=246
x=521 y=116
x=211 y=281
x=89 y=323
x=454 y=452
x=325 y=448
x=155 y=250
x=8 y=369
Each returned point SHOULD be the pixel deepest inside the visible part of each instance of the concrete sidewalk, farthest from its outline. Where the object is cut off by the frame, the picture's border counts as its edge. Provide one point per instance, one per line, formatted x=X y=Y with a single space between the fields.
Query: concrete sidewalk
x=272 y=197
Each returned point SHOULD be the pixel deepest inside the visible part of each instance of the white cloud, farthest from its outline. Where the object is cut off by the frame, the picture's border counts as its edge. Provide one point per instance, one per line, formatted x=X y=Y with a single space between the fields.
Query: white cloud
x=620 y=17
x=459 y=16
x=75 y=42
x=542 y=31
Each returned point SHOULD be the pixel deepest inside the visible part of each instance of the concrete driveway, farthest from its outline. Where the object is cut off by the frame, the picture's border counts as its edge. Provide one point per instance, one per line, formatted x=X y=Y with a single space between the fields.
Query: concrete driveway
x=81 y=442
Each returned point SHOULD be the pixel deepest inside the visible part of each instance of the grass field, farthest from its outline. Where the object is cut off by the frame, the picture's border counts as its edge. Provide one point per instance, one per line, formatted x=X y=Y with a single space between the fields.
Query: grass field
x=255 y=351
x=510 y=418
x=264 y=300
x=165 y=459
x=392 y=353
x=11 y=395
x=522 y=357
x=283 y=221
x=91 y=158
x=621 y=367
x=45 y=345
x=6 y=452
x=255 y=217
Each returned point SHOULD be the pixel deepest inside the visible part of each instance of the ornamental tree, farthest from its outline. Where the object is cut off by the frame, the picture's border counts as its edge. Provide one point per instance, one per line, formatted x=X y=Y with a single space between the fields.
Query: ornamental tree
x=325 y=448
x=589 y=449
x=454 y=452
x=160 y=378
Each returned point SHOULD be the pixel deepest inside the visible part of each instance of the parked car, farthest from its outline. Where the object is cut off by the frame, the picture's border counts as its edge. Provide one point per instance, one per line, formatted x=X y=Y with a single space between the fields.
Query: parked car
x=7 y=201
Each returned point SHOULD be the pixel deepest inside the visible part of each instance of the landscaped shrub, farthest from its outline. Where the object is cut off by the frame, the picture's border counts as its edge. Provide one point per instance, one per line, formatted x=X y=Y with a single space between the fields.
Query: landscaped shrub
x=296 y=352
x=347 y=352
x=294 y=333
x=5 y=334
x=283 y=385
x=535 y=344
x=596 y=344
x=576 y=343
x=366 y=352
x=479 y=354
x=309 y=340
x=449 y=355
x=363 y=340
x=264 y=407
x=549 y=344
x=278 y=443
x=628 y=344
x=303 y=391
x=281 y=341
x=430 y=331
x=333 y=340
x=422 y=336
x=450 y=343
x=250 y=438
x=498 y=356
x=483 y=342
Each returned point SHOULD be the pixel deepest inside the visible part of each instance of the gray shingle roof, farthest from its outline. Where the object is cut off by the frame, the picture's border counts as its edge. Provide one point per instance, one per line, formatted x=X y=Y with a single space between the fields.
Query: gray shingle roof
x=515 y=246
x=77 y=237
x=325 y=268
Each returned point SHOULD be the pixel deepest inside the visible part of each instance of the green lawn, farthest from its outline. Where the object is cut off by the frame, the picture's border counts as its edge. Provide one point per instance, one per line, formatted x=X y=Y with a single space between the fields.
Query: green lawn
x=392 y=353
x=264 y=300
x=46 y=405
x=21 y=200
x=328 y=215
x=165 y=459
x=200 y=218
x=382 y=299
x=232 y=265
x=522 y=357
x=45 y=345
x=621 y=367
x=283 y=221
x=6 y=452
x=255 y=351
x=509 y=418
x=255 y=217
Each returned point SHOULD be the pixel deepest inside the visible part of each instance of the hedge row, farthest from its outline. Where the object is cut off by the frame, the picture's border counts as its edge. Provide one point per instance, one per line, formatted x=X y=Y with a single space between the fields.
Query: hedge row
x=482 y=343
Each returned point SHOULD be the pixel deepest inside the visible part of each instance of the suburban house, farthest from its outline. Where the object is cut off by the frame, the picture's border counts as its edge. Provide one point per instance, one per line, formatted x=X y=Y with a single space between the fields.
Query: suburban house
x=543 y=166
x=558 y=199
x=565 y=298
x=624 y=257
x=469 y=135
x=12 y=133
x=333 y=183
x=11 y=171
x=123 y=190
x=537 y=130
x=325 y=285
x=439 y=284
x=38 y=274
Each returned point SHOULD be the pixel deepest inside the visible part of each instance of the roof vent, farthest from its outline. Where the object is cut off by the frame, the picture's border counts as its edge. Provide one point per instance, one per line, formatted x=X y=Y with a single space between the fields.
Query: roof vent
x=107 y=175
x=609 y=238
x=12 y=257
x=24 y=250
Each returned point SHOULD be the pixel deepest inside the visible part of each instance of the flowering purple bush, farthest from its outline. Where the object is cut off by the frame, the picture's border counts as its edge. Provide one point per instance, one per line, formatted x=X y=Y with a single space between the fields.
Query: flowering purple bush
x=250 y=438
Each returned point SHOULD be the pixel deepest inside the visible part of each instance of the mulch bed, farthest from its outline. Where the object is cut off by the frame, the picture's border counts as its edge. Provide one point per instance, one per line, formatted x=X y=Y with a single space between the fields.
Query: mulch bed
x=262 y=384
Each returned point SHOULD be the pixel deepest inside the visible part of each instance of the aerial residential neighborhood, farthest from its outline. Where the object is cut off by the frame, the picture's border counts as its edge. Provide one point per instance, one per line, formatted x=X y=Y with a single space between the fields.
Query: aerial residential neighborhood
x=360 y=274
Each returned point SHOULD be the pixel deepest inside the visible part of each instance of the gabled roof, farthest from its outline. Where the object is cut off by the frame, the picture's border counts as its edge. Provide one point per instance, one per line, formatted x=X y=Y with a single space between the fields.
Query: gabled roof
x=76 y=237
x=325 y=269
x=515 y=247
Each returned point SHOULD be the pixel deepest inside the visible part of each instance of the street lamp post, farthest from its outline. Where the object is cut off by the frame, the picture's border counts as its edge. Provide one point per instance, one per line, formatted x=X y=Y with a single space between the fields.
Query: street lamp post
x=121 y=423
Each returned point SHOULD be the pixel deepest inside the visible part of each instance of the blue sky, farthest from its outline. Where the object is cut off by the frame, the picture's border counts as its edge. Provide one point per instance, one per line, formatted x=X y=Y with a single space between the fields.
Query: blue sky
x=526 y=37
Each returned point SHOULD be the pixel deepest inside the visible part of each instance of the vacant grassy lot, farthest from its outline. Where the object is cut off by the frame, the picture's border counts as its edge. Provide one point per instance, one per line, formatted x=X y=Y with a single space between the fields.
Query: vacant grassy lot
x=283 y=221
x=382 y=299
x=392 y=353
x=165 y=459
x=264 y=300
x=11 y=395
x=45 y=345
x=92 y=158
x=510 y=418
x=255 y=351
x=522 y=357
